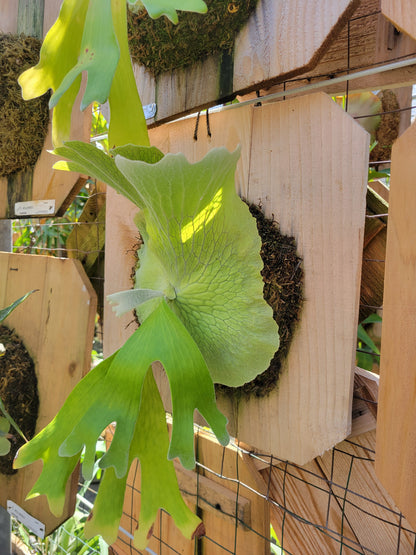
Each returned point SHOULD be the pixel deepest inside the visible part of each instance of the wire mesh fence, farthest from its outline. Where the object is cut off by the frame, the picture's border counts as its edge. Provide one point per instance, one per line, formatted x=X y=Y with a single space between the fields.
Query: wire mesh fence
x=335 y=503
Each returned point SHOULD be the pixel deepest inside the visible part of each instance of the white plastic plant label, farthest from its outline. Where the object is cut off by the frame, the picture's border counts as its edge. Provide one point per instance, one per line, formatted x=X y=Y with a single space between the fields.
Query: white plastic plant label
x=35 y=208
x=26 y=519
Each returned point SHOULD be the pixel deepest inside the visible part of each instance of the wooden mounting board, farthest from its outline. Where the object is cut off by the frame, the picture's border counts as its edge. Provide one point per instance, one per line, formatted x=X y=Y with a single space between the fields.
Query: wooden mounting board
x=43 y=182
x=56 y=325
x=305 y=161
x=402 y=13
x=280 y=40
x=396 y=435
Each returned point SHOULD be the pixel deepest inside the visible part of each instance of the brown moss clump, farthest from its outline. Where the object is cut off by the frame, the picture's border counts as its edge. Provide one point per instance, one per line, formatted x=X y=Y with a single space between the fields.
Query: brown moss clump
x=283 y=290
x=388 y=130
x=18 y=391
x=23 y=124
x=161 y=46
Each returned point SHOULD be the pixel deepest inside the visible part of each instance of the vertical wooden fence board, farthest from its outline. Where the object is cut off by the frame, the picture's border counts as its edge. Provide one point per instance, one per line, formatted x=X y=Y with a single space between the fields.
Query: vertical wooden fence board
x=230 y=468
x=228 y=129
x=309 y=169
x=56 y=325
x=402 y=13
x=8 y=11
x=120 y=239
x=396 y=432
x=281 y=39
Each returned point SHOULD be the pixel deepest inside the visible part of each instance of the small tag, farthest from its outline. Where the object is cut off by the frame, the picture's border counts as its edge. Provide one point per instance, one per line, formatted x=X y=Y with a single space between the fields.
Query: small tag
x=149 y=110
x=26 y=519
x=35 y=208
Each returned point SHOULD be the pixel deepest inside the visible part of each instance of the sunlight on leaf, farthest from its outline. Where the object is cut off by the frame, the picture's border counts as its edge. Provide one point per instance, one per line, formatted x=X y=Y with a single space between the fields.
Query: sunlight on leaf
x=90 y=36
x=58 y=55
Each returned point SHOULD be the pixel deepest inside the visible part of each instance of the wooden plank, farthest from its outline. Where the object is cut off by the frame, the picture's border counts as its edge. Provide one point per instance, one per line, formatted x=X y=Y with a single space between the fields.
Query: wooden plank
x=209 y=494
x=121 y=239
x=364 y=405
x=307 y=164
x=396 y=436
x=335 y=498
x=8 y=10
x=368 y=39
x=368 y=508
x=309 y=169
x=402 y=13
x=374 y=251
x=57 y=329
x=232 y=468
x=30 y=17
x=281 y=39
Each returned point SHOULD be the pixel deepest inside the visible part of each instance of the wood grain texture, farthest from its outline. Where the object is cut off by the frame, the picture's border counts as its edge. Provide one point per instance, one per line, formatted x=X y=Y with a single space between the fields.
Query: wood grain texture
x=281 y=39
x=368 y=39
x=305 y=161
x=396 y=432
x=8 y=21
x=335 y=500
x=56 y=325
x=299 y=497
x=120 y=240
x=402 y=13
x=368 y=508
x=308 y=169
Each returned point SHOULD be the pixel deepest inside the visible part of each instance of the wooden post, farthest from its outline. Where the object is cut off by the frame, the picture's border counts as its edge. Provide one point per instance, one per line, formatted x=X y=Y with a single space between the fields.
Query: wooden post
x=396 y=431
x=30 y=17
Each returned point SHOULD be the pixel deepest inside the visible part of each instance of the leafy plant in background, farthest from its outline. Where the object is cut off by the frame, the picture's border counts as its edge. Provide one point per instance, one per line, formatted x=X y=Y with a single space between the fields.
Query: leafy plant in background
x=367 y=351
x=49 y=235
x=70 y=537
x=198 y=290
x=4 y=436
x=374 y=174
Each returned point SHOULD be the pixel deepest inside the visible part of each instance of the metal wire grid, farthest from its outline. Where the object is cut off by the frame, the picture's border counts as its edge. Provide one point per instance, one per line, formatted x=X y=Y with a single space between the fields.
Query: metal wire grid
x=341 y=494
x=289 y=474
x=63 y=540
